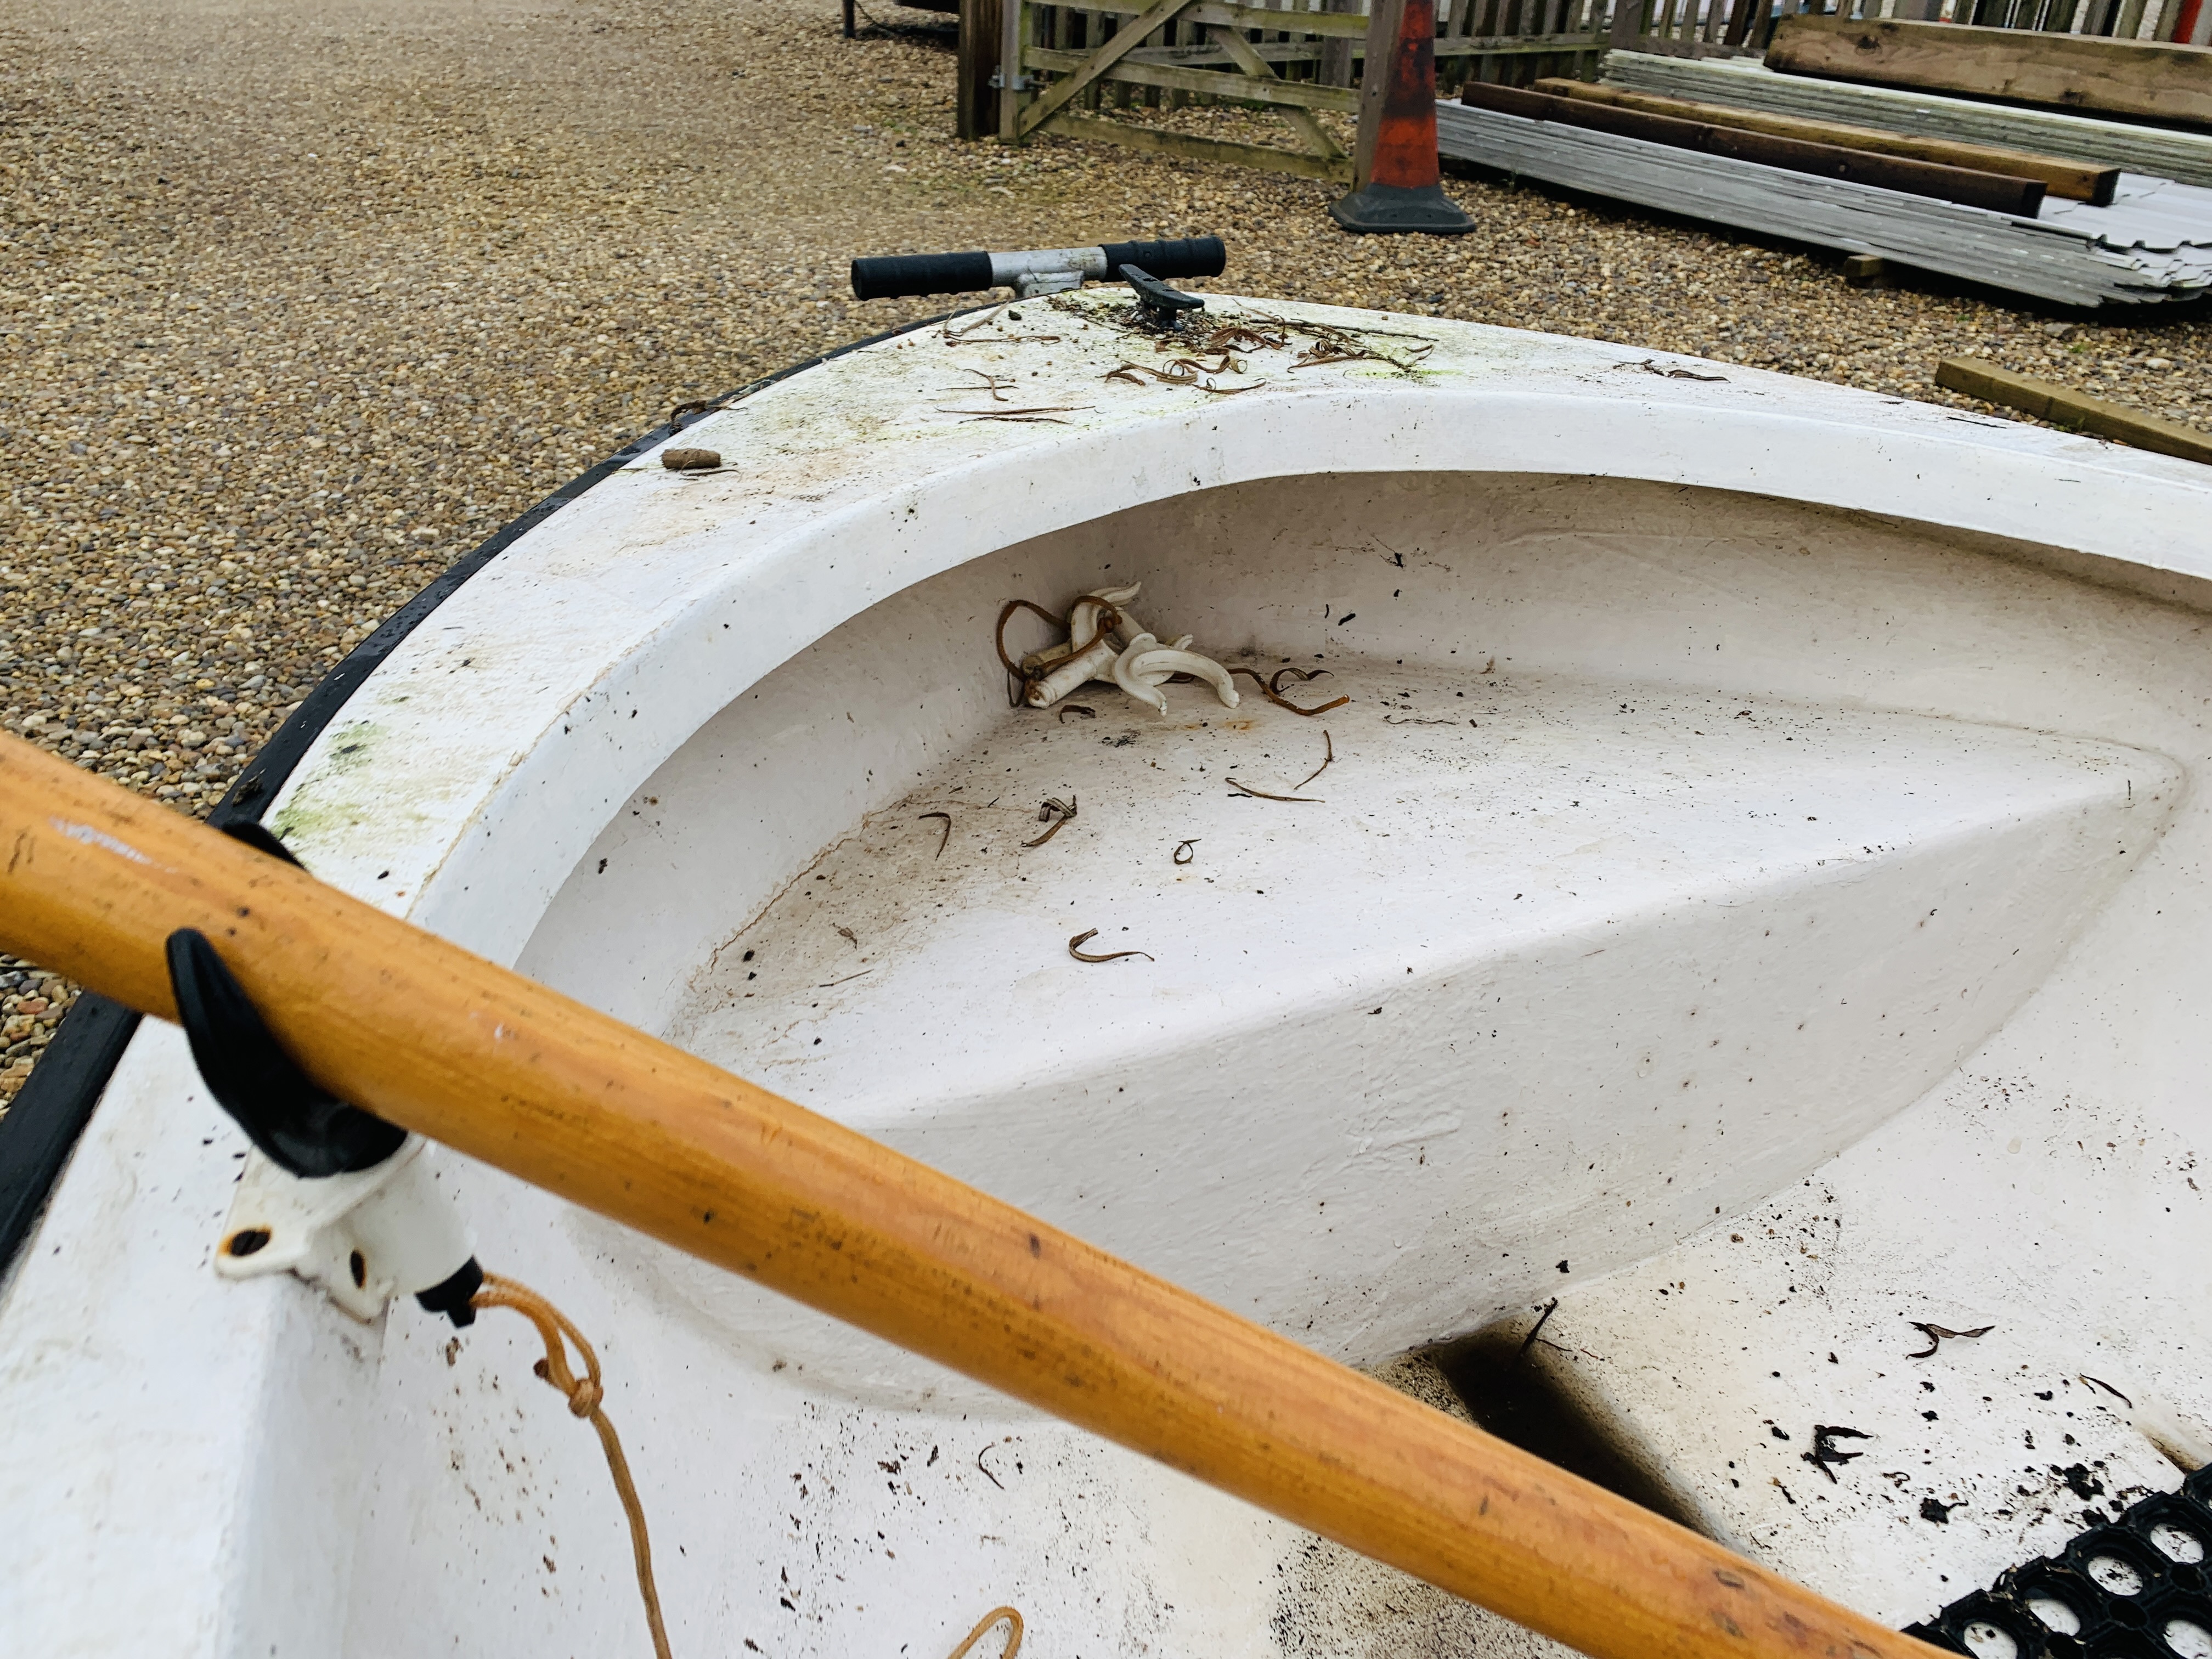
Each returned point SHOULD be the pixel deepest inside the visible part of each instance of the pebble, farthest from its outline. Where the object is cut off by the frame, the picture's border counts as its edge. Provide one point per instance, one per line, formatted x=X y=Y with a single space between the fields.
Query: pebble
x=31 y=1004
x=300 y=302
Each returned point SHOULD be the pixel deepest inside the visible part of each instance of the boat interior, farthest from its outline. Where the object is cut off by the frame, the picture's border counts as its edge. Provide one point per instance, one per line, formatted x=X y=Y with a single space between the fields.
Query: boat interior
x=1675 y=850
x=1715 y=939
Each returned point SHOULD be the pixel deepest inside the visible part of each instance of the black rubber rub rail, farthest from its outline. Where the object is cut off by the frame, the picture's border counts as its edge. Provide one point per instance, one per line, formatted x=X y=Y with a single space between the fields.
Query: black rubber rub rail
x=41 y=1128
x=2137 y=1588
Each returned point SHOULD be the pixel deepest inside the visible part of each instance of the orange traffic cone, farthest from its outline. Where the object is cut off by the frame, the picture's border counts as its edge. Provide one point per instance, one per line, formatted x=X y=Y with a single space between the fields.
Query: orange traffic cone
x=1397 y=185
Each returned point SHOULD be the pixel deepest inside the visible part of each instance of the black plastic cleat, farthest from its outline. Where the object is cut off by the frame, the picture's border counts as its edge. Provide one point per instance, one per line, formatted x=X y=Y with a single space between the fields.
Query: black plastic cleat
x=1163 y=306
x=302 y=1128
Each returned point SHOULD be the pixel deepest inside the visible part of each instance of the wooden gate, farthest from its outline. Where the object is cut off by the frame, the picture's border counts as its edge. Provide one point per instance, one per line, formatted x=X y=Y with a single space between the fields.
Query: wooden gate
x=1105 y=70
x=1084 y=63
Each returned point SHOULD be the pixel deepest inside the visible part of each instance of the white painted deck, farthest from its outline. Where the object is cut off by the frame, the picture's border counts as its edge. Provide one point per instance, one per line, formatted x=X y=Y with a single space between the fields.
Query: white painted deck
x=1824 y=855
x=1561 y=966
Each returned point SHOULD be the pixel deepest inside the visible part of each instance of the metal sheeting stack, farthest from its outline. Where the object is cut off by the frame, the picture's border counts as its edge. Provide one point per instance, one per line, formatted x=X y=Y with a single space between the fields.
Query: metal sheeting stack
x=1749 y=84
x=2153 y=245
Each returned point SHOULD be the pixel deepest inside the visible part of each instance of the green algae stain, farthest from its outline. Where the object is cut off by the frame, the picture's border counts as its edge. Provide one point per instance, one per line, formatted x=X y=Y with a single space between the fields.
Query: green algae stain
x=324 y=801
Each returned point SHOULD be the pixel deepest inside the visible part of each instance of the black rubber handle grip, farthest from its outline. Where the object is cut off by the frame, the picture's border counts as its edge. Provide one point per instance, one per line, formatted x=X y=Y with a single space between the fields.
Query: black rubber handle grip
x=1194 y=256
x=896 y=275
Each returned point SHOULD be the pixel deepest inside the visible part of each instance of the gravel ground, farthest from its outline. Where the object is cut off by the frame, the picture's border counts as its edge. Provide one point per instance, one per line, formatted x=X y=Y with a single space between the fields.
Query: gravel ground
x=298 y=302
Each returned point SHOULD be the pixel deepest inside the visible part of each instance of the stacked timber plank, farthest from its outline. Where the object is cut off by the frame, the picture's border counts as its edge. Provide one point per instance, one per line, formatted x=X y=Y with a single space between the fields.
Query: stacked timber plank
x=1685 y=129
x=1745 y=84
x=2146 y=79
x=2065 y=207
x=2080 y=181
x=2152 y=243
x=2063 y=406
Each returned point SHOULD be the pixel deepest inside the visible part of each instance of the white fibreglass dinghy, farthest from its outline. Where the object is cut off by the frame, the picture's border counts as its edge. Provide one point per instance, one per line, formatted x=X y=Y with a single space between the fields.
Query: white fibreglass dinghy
x=1753 y=897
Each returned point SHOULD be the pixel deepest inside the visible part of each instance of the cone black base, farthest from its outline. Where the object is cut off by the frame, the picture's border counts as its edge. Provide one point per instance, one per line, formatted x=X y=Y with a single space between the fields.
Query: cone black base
x=1394 y=209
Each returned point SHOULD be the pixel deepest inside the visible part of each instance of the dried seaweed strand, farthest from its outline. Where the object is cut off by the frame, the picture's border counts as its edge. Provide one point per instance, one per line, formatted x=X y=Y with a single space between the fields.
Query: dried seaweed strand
x=1236 y=336
x=1319 y=355
x=1282 y=701
x=1826 y=1453
x=1084 y=709
x=969 y=335
x=947 y=836
x=1535 y=1330
x=1330 y=331
x=1190 y=376
x=1936 y=1336
x=1065 y=814
x=2100 y=1382
x=1675 y=374
x=1041 y=414
x=1263 y=795
x=996 y=384
x=1329 y=760
x=699 y=406
x=1182 y=855
x=1074 y=950
x=1330 y=343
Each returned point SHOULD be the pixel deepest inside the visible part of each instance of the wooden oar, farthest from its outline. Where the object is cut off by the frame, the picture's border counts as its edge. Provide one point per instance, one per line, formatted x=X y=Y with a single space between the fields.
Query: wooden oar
x=93 y=879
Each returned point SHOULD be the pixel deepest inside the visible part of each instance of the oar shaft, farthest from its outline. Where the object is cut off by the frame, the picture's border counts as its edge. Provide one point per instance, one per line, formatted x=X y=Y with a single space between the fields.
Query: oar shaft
x=93 y=879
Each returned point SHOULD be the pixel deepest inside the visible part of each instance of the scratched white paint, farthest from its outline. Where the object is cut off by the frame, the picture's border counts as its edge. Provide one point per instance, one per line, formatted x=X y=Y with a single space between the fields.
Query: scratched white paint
x=1767 y=661
x=92 y=836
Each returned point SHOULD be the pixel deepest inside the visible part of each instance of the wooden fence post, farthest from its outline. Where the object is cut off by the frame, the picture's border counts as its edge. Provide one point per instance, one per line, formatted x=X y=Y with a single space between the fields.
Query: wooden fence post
x=975 y=113
x=1336 y=53
x=1012 y=32
x=1381 y=44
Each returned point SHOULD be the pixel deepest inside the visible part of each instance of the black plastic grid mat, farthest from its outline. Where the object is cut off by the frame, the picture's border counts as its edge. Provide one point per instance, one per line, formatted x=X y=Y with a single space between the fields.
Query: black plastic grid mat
x=2139 y=1588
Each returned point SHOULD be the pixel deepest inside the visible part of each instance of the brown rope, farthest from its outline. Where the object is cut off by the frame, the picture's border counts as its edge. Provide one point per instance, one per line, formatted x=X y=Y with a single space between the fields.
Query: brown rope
x=1109 y=620
x=584 y=1394
x=1013 y=1638
x=1015 y=672
x=1267 y=689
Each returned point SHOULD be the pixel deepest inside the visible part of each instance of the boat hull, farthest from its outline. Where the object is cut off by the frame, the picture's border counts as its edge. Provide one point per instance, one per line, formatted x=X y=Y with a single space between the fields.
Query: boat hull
x=1971 y=656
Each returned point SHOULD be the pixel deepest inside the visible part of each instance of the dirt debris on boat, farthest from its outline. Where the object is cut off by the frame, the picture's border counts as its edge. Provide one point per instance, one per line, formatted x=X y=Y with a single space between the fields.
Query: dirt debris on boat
x=308 y=301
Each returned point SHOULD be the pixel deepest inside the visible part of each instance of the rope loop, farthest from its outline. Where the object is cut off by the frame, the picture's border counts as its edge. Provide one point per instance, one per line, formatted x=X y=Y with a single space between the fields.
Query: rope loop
x=584 y=1394
x=1013 y=1633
